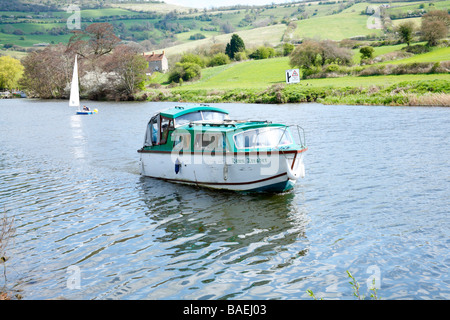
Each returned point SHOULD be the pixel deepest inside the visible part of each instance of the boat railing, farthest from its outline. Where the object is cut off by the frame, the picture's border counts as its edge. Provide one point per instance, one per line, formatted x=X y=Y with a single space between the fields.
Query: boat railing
x=225 y=122
x=300 y=134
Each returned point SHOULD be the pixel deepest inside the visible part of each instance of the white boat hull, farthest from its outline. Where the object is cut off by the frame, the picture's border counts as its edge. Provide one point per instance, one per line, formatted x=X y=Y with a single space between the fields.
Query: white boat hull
x=273 y=172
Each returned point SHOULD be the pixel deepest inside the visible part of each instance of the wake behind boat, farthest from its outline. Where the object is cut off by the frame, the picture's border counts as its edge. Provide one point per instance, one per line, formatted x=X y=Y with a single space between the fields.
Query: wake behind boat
x=200 y=145
x=74 y=100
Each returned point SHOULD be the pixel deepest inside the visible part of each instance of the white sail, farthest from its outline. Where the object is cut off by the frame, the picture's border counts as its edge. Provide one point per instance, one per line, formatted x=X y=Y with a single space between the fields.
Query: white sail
x=74 y=90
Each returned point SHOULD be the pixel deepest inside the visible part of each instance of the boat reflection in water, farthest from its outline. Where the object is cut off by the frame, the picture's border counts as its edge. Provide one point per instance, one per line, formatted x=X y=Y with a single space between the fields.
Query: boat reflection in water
x=197 y=226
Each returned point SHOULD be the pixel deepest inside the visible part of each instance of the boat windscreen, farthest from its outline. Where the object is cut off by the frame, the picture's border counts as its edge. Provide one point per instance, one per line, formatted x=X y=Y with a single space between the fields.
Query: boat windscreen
x=188 y=117
x=214 y=115
x=263 y=138
x=199 y=116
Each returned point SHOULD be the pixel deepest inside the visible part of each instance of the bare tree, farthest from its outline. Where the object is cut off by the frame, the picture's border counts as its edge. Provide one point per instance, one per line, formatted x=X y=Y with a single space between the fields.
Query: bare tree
x=97 y=40
x=435 y=26
x=47 y=72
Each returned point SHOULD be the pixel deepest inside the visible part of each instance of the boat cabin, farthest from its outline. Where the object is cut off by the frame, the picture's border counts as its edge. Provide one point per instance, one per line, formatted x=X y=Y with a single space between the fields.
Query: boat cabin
x=162 y=123
x=201 y=127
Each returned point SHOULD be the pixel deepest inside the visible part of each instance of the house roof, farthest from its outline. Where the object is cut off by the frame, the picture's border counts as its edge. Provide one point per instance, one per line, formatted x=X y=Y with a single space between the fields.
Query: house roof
x=154 y=57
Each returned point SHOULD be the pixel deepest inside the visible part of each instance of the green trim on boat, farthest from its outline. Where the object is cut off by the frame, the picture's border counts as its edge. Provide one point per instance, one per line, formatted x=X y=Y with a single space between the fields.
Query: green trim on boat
x=177 y=111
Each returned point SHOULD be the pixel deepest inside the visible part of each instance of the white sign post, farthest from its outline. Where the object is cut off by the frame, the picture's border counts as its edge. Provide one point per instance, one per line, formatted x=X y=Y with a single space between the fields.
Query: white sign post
x=292 y=76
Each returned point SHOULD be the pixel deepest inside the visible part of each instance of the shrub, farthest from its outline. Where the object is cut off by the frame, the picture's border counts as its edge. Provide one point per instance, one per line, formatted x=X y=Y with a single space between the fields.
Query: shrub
x=332 y=68
x=262 y=53
x=197 y=36
x=366 y=52
x=240 y=56
x=417 y=49
x=218 y=60
x=186 y=71
x=288 y=48
x=193 y=58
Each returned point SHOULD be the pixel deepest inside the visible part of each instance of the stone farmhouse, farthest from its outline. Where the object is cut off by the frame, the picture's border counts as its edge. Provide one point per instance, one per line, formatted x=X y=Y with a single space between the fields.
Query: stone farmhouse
x=157 y=62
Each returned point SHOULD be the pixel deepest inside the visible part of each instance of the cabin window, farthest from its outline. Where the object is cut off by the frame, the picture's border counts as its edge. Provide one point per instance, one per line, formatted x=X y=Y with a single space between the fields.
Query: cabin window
x=151 y=135
x=154 y=128
x=210 y=141
x=199 y=116
x=263 y=138
x=214 y=115
x=181 y=141
x=188 y=117
x=166 y=125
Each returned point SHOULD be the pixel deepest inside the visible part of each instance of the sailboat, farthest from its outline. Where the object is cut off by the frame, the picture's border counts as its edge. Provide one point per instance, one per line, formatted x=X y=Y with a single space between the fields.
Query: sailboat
x=74 y=100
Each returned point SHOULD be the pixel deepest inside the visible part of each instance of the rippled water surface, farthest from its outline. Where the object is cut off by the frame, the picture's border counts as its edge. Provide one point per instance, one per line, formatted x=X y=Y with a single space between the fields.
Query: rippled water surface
x=375 y=201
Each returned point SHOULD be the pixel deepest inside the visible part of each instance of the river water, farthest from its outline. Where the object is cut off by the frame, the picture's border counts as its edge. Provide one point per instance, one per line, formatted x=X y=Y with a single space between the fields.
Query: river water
x=375 y=201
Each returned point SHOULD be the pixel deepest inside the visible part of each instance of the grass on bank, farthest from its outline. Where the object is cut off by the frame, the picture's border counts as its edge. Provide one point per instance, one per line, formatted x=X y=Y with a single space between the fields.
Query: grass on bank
x=260 y=74
x=424 y=90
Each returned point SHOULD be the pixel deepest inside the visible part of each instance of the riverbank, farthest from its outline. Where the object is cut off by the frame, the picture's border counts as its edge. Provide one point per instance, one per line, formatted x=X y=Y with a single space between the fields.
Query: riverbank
x=435 y=92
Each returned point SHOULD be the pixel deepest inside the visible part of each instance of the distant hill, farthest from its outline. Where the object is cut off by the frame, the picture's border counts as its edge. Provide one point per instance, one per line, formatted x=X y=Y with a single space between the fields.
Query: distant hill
x=154 y=25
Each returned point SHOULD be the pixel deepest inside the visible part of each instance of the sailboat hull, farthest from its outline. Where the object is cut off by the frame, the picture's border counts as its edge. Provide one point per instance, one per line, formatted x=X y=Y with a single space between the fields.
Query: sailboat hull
x=86 y=112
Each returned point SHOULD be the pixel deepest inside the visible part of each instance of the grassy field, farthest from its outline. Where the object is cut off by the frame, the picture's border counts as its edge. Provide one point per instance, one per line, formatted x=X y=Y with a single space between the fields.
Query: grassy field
x=260 y=74
x=249 y=74
x=378 y=51
x=158 y=7
x=349 y=23
x=255 y=37
x=436 y=55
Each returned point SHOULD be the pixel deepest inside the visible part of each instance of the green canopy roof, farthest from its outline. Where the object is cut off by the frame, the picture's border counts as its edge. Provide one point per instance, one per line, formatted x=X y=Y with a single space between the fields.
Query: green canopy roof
x=177 y=111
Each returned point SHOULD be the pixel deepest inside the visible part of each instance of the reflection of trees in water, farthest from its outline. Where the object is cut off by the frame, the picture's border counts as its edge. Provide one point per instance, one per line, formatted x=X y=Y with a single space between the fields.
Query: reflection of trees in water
x=223 y=225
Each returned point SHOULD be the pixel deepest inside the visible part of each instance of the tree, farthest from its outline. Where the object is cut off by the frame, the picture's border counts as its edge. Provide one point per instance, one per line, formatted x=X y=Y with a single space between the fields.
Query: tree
x=48 y=72
x=97 y=40
x=406 y=30
x=11 y=71
x=366 y=52
x=236 y=44
x=227 y=27
x=330 y=52
x=305 y=55
x=432 y=31
x=438 y=15
x=128 y=68
x=435 y=26
x=314 y=53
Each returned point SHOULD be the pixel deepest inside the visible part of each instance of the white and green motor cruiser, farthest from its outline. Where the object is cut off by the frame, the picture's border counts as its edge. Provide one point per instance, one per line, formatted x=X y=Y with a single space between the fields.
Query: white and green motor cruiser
x=200 y=145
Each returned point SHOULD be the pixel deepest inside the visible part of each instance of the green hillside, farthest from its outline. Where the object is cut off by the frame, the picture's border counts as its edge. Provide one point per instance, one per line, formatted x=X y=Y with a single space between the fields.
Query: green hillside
x=260 y=74
x=160 y=26
x=346 y=24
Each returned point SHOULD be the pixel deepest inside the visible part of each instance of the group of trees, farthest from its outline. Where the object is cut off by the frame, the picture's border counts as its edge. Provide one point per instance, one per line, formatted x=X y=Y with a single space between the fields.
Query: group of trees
x=107 y=69
x=434 y=27
x=313 y=54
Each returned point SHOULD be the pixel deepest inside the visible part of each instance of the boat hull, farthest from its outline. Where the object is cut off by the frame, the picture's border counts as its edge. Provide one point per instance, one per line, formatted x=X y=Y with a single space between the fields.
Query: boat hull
x=273 y=172
x=86 y=112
